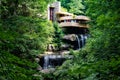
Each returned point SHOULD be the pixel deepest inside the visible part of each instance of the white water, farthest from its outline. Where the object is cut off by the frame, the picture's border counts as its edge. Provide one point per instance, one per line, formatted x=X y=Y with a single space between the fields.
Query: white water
x=46 y=62
x=82 y=39
x=78 y=41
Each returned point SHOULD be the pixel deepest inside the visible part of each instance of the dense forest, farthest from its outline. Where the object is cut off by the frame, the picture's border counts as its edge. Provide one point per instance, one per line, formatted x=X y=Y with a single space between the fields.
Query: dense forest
x=25 y=32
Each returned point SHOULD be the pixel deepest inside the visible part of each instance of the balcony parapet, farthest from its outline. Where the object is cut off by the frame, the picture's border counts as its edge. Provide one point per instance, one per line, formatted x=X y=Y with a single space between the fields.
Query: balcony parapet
x=73 y=24
x=85 y=18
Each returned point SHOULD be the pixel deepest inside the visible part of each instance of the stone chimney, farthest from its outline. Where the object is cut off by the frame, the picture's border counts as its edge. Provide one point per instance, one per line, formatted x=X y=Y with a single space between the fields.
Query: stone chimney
x=55 y=7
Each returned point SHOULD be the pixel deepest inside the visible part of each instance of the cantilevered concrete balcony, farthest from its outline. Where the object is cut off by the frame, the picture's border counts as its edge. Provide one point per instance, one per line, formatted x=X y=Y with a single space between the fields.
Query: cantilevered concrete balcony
x=84 y=18
x=73 y=24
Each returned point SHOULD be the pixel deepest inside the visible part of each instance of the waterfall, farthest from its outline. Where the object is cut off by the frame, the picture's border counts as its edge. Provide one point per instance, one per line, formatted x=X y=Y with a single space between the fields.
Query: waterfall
x=78 y=41
x=46 y=62
x=85 y=38
x=51 y=61
x=82 y=40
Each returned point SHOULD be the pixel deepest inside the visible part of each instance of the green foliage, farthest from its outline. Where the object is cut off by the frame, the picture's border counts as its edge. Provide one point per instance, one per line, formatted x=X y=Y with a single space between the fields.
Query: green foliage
x=58 y=36
x=30 y=34
x=73 y=6
x=63 y=9
x=23 y=36
x=14 y=68
x=76 y=7
x=23 y=7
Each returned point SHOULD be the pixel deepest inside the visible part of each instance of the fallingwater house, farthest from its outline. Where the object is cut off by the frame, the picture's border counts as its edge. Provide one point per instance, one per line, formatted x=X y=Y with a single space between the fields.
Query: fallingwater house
x=76 y=32
x=75 y=27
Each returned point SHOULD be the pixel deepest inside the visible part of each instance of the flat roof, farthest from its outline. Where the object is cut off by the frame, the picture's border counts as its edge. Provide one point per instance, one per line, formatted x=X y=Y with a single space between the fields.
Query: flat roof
x=64 y=13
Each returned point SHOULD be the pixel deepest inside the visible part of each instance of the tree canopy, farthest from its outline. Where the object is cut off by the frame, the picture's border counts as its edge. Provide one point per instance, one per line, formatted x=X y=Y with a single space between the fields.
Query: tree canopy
x=74 y=6
x=24 y=33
